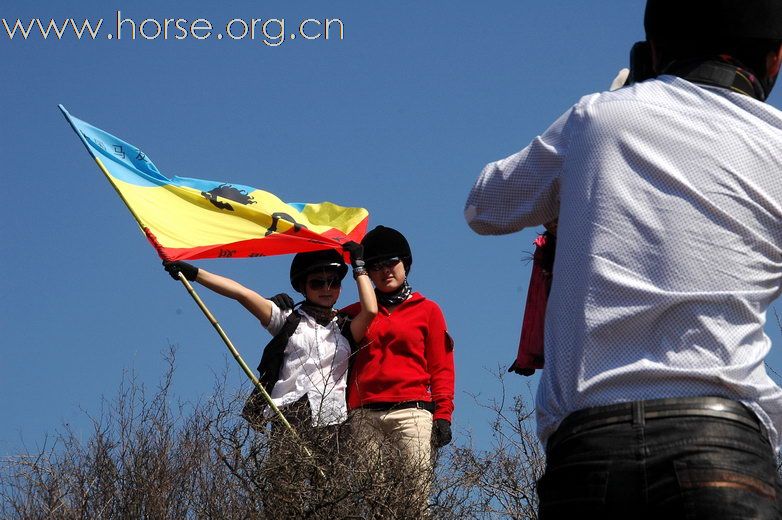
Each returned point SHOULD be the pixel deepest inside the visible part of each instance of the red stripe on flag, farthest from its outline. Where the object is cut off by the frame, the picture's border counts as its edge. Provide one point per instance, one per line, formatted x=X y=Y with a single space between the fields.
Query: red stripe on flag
x=287 y=242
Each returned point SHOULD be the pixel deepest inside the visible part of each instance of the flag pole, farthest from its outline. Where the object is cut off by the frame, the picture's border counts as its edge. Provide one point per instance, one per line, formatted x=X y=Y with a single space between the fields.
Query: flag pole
x=234 y=352
x=241 y=362
x=199 y=302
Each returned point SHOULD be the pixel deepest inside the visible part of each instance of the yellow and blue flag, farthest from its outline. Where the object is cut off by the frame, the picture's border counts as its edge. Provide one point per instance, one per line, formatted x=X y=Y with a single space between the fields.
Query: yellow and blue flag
x=186 y=218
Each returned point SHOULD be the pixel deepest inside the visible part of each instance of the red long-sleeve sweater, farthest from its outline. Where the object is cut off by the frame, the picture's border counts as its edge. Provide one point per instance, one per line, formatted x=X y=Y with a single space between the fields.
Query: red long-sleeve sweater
x=406 y=355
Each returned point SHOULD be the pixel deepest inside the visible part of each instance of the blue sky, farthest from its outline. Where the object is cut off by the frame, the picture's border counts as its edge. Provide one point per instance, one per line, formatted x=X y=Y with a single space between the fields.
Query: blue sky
x=398 y=117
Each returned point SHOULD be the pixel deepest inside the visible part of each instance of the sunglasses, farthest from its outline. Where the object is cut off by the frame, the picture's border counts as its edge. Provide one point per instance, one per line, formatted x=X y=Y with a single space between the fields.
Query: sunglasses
x=319 y=283
x=389 y=263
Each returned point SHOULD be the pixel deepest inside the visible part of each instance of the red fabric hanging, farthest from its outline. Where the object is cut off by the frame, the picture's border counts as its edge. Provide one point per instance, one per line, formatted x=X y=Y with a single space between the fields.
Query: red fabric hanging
x=530 y=354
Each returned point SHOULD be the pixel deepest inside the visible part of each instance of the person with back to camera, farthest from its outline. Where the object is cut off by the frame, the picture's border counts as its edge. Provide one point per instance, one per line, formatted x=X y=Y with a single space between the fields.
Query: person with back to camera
x=654 y=401
x=401 y=384
x=308 y=379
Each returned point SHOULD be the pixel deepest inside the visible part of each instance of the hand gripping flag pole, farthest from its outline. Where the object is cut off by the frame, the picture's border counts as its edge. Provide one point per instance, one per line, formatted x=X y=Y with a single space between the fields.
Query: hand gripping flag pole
x=185 y=218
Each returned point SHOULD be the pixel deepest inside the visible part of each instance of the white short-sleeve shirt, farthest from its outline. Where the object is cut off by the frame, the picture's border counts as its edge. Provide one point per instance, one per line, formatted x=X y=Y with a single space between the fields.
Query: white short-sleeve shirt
x=315 y=364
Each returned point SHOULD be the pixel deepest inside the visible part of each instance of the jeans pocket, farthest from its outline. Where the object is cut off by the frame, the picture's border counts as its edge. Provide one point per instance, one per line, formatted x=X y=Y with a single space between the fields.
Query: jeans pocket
x=714 y=492
x=572 y=488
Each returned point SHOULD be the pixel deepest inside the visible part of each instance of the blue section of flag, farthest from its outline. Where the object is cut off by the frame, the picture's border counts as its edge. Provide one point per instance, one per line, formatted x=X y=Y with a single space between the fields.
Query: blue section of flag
x=128 y=163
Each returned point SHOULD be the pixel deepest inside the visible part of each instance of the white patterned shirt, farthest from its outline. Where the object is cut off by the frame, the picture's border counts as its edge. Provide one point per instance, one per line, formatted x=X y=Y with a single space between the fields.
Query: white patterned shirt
x=315 y=365
x=669 y=199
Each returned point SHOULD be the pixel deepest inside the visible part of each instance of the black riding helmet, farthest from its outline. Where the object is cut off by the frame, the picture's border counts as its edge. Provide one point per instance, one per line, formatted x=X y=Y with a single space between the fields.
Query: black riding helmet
x=383 y=243
x=306 y=263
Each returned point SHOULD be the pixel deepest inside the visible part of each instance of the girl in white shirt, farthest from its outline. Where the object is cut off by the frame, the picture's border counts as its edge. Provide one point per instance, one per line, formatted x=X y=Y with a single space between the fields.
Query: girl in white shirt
x=314 y=367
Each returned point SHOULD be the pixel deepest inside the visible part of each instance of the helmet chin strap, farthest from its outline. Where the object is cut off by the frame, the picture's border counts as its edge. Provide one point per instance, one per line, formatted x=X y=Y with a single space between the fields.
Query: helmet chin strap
x=723 y=72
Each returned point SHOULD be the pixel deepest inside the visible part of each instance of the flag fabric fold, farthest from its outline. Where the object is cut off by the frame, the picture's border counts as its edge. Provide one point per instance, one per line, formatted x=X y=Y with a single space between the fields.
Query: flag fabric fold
x=185 y=218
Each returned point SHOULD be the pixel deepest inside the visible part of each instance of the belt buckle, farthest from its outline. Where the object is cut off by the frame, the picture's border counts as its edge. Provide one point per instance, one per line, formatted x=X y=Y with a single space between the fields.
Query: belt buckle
x=716 y=407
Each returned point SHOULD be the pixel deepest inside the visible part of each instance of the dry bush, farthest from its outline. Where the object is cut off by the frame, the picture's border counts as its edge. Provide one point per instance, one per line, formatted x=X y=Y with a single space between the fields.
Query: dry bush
x=497 y=481
x=147 y=459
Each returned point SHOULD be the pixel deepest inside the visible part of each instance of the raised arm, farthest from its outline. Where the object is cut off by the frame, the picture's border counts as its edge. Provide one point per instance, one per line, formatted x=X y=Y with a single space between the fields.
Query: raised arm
x=259 y=306
x=366 y=294
x=521 y=190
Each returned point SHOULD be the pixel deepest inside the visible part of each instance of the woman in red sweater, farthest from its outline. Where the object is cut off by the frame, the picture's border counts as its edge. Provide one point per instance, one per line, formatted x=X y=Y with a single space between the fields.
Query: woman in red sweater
x=401 y=384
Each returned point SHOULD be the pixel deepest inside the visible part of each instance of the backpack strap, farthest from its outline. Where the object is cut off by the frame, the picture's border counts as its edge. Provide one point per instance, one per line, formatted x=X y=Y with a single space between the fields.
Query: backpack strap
x=269 y=367
x=272 y=357
x=343 y=323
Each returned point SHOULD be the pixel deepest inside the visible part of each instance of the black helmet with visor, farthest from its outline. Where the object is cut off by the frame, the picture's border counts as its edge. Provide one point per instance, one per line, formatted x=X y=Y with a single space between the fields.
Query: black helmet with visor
x=306 y=263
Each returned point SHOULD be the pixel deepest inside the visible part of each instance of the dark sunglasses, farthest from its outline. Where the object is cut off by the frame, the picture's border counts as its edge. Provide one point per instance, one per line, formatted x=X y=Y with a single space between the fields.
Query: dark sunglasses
x=320 y=283
x=389 y=263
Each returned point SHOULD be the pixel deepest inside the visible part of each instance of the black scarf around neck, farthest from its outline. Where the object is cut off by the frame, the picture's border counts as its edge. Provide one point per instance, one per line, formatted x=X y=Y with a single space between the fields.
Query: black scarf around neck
x=323 y=315
x=395 y=298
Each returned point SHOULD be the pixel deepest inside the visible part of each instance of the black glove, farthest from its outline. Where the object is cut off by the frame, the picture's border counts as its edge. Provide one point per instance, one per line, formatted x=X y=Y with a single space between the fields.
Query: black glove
x=172 y=268
x=521 y=371
x=283 y=301
x=441 y=433
x=356 y=252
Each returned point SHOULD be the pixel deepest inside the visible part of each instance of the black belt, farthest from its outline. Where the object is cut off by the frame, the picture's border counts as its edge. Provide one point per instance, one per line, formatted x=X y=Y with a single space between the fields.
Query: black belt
x=641 y=411
x=384 y=407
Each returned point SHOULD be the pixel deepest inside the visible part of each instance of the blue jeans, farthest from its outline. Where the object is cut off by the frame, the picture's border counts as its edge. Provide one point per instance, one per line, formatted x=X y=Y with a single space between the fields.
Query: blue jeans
x=667 y=468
